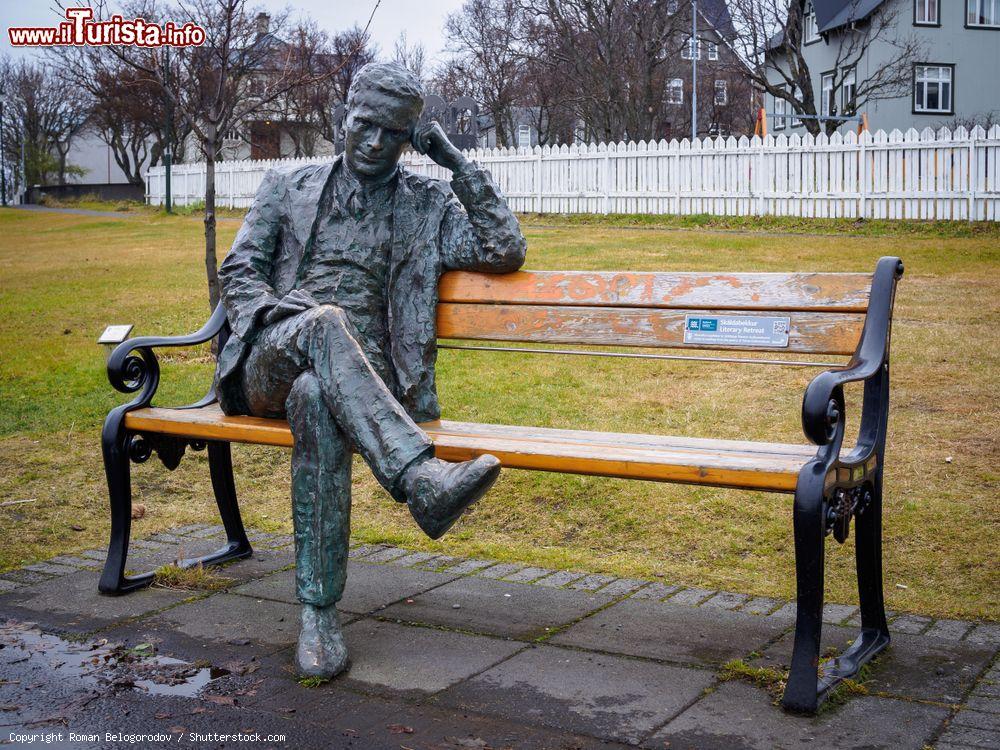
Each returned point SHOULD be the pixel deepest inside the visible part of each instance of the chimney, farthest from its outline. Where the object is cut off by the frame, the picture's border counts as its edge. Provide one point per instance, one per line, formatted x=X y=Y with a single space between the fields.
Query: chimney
x=263 y=23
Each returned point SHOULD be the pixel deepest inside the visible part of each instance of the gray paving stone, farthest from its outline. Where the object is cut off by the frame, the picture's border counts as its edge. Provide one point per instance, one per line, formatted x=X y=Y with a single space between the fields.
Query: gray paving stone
x=50 y=568
x=656 y=592
x=592 y=582
x=386 y=554
x=150 y=544
x=834 y=614
x=439 y=563
x=951 y=630
x=985 y=632
x=6 y=586
x=559 y=579
x=363 y=550
x=191 y=527
x=469 y=566
x=913 y=667
x=418 y=660
x=738 y=715
x=785 y=613
x=166 y=538
x=604 y=696
x=213 y=530
x=77 y=562
x=983 y=703
x=96 y=554
x=987 y=688
x=26 y=577
x=672 y=632
x=497 y=608
x=527 y=575
x=501 y=570
x=414 y=558
x=760 y=605
x=909 y=623
x=369 y=587
x=977 y=719
x=726 y=600
x=971 y=737
x=226 y=617
x=691 y=596
x=623 y=586
x=72 y=603
x=279 y=541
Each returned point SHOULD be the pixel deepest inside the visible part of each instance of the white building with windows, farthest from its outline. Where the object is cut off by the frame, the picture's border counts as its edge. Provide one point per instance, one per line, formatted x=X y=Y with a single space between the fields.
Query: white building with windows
x=955 y=77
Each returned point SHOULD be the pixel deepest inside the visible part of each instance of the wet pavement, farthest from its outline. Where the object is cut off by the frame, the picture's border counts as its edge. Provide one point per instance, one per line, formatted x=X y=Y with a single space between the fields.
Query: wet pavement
x=451 y=653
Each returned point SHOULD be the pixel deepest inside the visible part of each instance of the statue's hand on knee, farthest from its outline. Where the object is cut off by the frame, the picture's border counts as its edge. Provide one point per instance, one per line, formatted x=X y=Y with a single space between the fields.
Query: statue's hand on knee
x=293 y=303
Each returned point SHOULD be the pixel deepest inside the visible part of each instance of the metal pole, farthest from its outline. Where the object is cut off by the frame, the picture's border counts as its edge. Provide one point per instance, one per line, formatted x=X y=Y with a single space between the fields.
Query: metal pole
x=167 y=149
x=694 y=69
x=3 y=162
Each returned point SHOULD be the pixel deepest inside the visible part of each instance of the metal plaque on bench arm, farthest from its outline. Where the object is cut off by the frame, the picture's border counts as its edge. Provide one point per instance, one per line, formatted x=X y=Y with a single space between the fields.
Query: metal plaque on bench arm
x=765 y=331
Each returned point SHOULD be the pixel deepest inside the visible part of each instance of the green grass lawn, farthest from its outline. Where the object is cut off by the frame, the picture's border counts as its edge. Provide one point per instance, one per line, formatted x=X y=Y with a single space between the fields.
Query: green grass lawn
x=64 y=277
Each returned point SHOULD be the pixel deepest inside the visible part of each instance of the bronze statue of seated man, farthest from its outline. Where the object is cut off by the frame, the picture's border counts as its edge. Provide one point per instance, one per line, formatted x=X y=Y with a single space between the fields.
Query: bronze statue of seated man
x=330 y=289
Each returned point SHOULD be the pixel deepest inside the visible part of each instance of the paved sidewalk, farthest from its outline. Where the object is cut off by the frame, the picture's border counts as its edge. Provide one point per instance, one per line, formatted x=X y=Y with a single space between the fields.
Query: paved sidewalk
x=457 y=653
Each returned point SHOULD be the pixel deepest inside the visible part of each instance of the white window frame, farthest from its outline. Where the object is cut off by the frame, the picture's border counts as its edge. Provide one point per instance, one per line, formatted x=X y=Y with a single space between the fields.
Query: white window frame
x=848 y=90
x=524 y=136
x=780 y=108
x=810 y=28
x=826 y=94
x=713 y=50
x=675 y=91
x=928 y=12
x=721 y=87
x=943 y=77
x=689 y=46
x=978 y=9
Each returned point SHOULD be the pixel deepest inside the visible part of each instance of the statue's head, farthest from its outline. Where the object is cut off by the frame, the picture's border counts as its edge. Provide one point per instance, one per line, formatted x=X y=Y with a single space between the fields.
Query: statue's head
x=383 y=107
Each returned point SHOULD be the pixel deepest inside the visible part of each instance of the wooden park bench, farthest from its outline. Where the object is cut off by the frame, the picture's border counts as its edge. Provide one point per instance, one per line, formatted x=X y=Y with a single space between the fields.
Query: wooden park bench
x=800 y=314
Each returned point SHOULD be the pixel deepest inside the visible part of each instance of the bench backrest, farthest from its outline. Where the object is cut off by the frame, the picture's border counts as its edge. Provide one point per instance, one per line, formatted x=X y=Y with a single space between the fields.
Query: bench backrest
x=826 y=311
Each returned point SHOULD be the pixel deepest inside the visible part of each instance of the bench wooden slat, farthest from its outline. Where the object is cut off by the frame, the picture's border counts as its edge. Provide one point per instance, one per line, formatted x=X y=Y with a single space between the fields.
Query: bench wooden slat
x=831 y=292
x=765 y=466
x=810 y=332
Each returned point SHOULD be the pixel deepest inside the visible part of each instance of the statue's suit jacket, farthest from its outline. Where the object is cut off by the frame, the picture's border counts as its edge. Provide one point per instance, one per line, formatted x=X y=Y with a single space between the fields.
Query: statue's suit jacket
x=432 y=232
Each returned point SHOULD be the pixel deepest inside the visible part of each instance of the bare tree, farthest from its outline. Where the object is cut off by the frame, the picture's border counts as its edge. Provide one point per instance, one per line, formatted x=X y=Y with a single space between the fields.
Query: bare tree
x=344 y=55
x=772 y=34
x=413 y=57
x=42 y=117
x=243 y=69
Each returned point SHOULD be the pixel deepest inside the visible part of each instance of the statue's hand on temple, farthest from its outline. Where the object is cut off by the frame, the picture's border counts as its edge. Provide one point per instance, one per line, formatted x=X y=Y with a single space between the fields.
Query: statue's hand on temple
x=293 y=303
x=430 y=139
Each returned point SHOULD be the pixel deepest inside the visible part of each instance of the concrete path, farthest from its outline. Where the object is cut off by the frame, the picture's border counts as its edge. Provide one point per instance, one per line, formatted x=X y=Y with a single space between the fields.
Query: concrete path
x=453 y=653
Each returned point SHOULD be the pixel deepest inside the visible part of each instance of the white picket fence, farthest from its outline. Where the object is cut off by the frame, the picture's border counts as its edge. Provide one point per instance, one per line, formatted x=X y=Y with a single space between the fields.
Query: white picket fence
x=928 y=175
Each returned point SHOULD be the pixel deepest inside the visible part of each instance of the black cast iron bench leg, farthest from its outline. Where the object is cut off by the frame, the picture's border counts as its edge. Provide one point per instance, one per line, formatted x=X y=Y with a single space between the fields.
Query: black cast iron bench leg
x=806 y=687
x=119 y=449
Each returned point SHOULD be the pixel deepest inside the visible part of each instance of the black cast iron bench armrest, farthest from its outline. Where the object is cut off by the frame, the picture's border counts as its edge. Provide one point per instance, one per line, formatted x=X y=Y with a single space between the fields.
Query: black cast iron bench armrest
x=823 y=402
x=133 y=366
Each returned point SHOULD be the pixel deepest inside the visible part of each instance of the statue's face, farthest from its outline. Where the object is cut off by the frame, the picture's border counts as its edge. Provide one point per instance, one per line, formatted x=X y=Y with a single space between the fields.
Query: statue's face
x=376 y=129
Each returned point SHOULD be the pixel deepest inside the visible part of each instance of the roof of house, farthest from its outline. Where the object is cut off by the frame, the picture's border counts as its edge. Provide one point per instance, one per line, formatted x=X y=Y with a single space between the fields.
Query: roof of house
x=716 y=12
x=832 y=14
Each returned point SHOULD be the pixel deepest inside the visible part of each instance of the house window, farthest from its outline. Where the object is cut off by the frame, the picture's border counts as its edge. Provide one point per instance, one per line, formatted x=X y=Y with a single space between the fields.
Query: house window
x=524 y=136
x=675 y=92
x=780 y=107
x=848 y=90
x=721 y=93
x=983 y=13
x=691 y=49
x=925 y=12
x=827 y=106
x=811 y=29
x=932 y=88
x=713 y=51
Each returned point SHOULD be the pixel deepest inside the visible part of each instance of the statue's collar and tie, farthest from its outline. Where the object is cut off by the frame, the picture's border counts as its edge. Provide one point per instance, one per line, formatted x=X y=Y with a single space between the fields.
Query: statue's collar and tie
x=357 y=195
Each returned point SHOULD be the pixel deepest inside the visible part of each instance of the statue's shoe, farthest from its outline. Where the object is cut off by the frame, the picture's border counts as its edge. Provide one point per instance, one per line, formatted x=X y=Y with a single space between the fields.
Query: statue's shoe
x=437 y=492
x=322 y=651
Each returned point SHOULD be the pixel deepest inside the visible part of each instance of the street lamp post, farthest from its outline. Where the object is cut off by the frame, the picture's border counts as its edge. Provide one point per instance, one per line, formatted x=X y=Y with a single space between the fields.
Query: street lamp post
x=695 y=49
x=167 y=146
x=3 y=161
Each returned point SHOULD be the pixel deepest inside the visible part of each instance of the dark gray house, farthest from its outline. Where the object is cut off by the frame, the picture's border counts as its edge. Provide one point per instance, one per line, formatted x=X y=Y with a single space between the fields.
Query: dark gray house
x=951 y=73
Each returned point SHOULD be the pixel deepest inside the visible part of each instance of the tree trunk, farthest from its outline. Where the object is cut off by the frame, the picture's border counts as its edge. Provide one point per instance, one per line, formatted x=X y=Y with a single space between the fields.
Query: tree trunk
x=211 y=259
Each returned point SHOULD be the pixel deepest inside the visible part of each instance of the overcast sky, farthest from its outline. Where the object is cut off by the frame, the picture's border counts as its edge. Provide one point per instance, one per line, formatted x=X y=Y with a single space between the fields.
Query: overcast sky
x=423 y=21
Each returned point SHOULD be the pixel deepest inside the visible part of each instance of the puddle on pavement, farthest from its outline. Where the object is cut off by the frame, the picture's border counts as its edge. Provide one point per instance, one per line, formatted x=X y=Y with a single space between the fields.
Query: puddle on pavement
x=102 y=664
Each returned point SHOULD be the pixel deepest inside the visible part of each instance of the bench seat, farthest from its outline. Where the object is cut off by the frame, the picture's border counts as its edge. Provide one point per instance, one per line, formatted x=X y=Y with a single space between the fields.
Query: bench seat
x=722 y=463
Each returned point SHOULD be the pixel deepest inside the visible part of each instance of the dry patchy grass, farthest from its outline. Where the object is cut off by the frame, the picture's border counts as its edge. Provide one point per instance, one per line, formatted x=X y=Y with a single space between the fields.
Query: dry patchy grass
x=62 y=278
